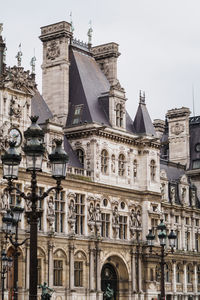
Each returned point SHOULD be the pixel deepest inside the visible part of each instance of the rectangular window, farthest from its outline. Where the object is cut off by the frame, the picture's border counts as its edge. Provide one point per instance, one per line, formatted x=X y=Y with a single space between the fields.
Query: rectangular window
x=197 y=242
x=79 y=209
x=177 y=219
x=77 y=114
x=58 y=273
x=187 y=221
x=59 y=211
x=14 y=196
x=122 y=227
x=105 y=224
x=39 y=271
x=78 y=273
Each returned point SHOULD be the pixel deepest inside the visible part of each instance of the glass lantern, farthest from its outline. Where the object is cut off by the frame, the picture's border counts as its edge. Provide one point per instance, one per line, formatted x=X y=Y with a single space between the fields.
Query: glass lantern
x=11 y=160
x=172 y=239
x=17 y=213
x=58 y=159
x=150 y=238
x=162 y=237
x=34 y=146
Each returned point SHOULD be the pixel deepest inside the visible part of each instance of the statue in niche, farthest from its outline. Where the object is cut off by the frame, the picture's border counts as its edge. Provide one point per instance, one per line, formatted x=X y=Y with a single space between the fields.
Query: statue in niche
x=4 y=136
x=91 y=212
x=4 y=201
x=98 y=219
x=162 y=190
x=172 y=194
x=51 y=213
x=72 y=216
x=193 y=197
x=115 y=217
x=183 y=195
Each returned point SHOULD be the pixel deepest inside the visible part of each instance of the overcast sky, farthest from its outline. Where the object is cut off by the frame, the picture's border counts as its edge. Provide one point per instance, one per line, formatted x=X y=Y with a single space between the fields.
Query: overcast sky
x=159 y=43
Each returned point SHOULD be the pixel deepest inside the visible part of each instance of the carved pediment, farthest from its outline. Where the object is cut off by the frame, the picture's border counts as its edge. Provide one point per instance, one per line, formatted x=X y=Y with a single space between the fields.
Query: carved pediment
x=19 y=79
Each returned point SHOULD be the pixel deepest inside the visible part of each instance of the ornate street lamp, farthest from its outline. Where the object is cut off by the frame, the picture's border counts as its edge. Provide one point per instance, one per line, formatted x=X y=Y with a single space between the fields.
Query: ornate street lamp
x=34 y=151
x=162 y=238
x=6 y=264
x=12 y=220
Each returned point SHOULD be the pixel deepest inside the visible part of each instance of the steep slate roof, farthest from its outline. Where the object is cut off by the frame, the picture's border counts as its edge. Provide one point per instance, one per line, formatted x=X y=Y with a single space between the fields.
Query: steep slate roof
x=86 y=85
x=73 y=159
x=89 y=86
x=40 y=108
x=142 y=122
x=194 y=128
x=174 y=171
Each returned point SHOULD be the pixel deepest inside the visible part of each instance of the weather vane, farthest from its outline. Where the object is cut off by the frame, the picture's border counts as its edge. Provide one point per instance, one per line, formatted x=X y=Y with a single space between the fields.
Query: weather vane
x=71 y=22
x=32 y=63
x=19 y=56
x=90 y=31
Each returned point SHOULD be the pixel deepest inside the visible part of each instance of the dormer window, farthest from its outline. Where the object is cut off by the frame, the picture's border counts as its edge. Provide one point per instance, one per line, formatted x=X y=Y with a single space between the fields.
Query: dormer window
x=119 y=115
x=77 y=114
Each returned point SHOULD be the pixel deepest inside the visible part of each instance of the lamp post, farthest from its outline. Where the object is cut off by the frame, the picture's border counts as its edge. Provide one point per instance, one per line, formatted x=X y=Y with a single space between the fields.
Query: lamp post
x=11 y=221
x=162 y=238
x=6 y=263
x=34 y=151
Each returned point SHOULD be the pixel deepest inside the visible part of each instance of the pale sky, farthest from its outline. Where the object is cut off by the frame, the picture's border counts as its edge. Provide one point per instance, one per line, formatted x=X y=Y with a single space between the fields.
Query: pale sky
x=159 y=42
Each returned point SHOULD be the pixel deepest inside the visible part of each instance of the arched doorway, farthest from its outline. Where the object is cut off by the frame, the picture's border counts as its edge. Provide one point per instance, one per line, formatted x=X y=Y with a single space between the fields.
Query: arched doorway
x=109 y=277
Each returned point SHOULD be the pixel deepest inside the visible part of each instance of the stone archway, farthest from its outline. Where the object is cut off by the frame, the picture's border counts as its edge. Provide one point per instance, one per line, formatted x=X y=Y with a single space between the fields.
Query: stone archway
x=114 y=272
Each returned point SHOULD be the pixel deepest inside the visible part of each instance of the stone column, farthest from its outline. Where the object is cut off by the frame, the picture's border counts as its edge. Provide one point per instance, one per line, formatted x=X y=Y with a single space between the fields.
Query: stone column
x=98 y=271
x=183 y=233
x=184 y=277
x=91 y=273
x=50 y=264
x=133 y=273
x=71 y=267
x=195 y=279
x=174 y=276
x=193 y=235
x=139 y=274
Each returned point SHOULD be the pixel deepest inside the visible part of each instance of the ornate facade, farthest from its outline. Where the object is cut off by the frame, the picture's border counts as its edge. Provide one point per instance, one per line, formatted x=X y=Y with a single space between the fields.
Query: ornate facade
x=123 y=177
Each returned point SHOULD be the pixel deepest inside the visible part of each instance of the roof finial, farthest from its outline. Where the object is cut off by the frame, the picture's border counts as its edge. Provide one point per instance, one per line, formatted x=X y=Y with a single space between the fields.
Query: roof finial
x=19 y=56
x=1 y=28
x=90 y=30
x=4 y=51
x=142 y=97
x=32 y=63
x=71 y=22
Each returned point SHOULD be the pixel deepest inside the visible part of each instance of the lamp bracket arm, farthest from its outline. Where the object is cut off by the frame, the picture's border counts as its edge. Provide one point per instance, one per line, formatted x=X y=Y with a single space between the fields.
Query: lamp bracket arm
x=56 y=188
x=24 y=241
x=9 y=189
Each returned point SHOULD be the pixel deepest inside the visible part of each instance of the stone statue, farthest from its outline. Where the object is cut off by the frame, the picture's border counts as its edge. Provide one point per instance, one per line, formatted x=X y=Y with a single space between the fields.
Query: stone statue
x=72 y=216
x=193 y=198
x=15 y=108
x=115 y=216
x=108 y=294
x=4 y=52
x=91 y=212
x=46 y=291
x=5 y=201
x=183 y=194
x=172 y=194
x=90 y=30
x=98 y=213
x=32 y=63
x=51 y=213
x=162 y=190
x=19 y=56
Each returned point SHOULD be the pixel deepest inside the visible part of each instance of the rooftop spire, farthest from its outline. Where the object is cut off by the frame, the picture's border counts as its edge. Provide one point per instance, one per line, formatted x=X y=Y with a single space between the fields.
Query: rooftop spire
x=19 y=56
x=71 y=22
x=90 y=31
x=32 y=63
x=142 y=97
x=1 y=28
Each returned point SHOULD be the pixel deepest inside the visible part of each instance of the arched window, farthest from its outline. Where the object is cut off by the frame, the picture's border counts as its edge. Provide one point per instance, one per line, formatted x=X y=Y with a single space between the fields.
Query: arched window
x=167 y=273
x=178 y=274
x=59 y=263
x=134 y=168
x=79 y=269
x=189 y=274
x=153 y=169
x=121 y=165
x=198 y=274
x=80 y=154
x=119 y=115
x=104 y=161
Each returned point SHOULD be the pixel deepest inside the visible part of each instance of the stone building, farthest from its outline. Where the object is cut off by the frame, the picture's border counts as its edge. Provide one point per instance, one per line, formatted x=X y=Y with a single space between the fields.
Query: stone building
x=123 y=176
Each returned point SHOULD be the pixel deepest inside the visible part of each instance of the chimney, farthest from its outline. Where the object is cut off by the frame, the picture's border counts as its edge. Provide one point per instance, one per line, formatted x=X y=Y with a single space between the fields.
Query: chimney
x=178 y=123
x=159 y=126
x=55 y=67
x=106 y=56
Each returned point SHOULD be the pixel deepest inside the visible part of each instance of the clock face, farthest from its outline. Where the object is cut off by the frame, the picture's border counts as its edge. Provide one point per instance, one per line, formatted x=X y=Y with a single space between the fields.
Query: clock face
x=15 y=135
